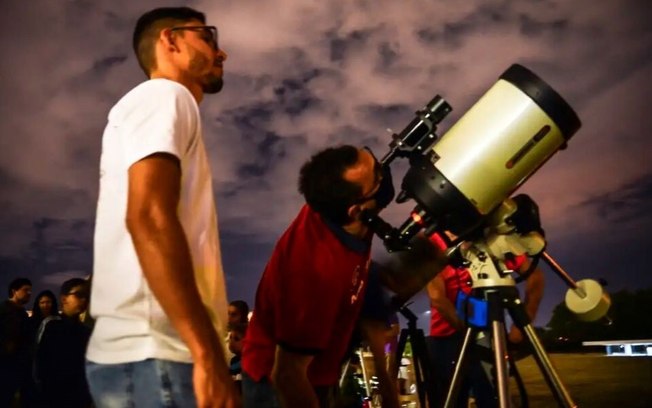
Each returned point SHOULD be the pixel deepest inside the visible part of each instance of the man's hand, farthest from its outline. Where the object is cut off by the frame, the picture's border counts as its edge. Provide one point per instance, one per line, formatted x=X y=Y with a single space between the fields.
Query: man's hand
x=214 y=389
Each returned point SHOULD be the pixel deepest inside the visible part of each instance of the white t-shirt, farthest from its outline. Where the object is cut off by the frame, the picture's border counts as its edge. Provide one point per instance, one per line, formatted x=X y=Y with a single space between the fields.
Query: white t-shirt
x=157 y=116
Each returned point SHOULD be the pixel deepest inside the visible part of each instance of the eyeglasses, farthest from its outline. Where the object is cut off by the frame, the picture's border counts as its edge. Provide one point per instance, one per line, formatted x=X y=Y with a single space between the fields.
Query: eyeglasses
x=208 y=33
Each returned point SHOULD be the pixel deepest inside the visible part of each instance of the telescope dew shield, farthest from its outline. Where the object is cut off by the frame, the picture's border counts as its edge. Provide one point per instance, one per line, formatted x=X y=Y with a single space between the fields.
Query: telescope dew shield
x=515 y=127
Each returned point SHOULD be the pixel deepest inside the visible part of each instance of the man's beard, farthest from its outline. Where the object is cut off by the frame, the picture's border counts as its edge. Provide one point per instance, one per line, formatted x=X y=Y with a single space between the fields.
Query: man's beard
x=213 y=84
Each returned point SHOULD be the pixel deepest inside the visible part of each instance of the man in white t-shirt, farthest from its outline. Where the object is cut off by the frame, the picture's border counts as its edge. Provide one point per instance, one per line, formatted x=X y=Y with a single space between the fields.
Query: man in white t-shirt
x=158 y=291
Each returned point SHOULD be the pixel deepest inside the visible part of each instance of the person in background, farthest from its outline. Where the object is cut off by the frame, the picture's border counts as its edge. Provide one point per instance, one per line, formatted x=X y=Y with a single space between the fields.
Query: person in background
x=14 y=340
x=60 y=346
x=234 y=344
x=238 y=312
x=158 y=291
x=447 y=331
x=45 y=306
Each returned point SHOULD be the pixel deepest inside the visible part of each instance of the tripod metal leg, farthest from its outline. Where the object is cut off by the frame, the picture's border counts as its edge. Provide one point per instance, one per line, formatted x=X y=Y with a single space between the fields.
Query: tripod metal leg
x=549 y=373
x=522 y=321
x=365 y=375
x=420 y=361
x=500 y=352
x=421 y=368
x=460 y=368
x=498 y=301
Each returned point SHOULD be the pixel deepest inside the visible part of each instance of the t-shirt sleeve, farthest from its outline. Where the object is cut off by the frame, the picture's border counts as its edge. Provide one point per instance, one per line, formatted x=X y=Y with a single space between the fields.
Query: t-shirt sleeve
x=163 y=118
x=307 y=312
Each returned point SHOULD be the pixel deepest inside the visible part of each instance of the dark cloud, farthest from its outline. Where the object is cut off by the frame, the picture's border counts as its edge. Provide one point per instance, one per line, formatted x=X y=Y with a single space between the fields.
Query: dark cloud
x=630 y=204
x=453 y=34
x=107 y=63
x=387 y=115
x=342 y=46
x=530 y=26
x=294 y=94
x=269 y=149
x=251 y=119
x=388 y=55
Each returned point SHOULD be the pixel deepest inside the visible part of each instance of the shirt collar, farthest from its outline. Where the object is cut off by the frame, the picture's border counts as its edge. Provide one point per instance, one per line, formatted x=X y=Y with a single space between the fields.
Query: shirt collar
x=351 y=242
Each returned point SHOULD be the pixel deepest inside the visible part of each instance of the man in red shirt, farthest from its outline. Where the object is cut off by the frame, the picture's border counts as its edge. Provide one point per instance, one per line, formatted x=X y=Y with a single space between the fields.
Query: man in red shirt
x=309 y=297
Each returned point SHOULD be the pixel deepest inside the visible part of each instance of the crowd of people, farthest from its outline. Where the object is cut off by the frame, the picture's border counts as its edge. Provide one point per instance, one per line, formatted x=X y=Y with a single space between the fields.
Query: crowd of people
x=43 y=353
x=162 y=332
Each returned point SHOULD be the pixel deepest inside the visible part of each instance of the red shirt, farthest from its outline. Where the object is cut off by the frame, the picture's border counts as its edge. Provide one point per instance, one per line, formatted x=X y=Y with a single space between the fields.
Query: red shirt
x=456 y=279
x=308 y=299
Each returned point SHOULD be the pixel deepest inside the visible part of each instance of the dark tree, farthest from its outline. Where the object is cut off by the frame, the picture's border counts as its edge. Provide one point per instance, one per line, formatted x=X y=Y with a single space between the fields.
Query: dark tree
x=630 y=314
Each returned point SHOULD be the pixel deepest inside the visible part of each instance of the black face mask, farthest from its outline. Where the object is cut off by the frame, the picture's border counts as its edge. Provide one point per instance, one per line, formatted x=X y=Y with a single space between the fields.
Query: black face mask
x=385 y=193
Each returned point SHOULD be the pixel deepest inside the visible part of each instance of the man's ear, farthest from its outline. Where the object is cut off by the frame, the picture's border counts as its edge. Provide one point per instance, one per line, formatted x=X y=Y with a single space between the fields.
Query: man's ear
x=167 y=37
x=354 y=212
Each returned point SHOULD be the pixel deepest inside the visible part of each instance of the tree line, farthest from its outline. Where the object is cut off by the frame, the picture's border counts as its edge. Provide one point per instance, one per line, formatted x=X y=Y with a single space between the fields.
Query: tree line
x=630 y=318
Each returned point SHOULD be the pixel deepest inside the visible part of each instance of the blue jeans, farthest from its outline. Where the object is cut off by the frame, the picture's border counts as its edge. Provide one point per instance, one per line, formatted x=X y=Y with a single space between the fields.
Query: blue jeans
x=259 y=394
x=262 y=394
x=148 y=383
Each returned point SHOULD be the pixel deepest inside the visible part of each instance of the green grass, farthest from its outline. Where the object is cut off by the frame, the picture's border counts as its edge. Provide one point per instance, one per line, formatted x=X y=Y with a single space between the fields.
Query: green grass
x=593 y=381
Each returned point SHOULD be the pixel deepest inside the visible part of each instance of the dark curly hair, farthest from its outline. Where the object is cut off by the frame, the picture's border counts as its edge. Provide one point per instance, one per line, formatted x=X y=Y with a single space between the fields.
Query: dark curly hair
x=322 y=183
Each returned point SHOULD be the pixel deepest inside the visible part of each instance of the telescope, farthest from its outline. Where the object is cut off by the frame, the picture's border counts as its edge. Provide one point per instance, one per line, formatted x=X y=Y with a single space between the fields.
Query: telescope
x=462 y=181
x=462 y=185
x=460 y=178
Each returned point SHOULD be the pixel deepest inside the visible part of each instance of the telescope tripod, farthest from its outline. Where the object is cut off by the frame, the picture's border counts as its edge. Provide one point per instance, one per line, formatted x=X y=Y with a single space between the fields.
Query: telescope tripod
x=419 y=357
x=498 y=300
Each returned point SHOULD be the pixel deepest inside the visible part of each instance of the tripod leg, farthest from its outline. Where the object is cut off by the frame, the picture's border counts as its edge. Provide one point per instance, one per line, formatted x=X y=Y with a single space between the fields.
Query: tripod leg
x=421 y=368
x=460 y=368
x=499 y=343
x=400 y=347
x=522 y=321
x=365 y=375
x=549 y=373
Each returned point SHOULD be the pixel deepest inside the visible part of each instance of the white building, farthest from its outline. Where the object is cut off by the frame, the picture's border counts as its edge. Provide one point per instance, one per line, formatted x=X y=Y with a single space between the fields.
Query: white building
x=634 y=348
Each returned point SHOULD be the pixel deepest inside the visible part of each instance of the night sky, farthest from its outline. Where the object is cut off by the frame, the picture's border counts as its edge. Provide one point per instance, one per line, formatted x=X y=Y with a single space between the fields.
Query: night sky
x=302 y=75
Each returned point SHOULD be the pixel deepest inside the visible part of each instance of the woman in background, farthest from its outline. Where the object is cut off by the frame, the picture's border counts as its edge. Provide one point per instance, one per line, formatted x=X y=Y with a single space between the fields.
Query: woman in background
x=45 y=305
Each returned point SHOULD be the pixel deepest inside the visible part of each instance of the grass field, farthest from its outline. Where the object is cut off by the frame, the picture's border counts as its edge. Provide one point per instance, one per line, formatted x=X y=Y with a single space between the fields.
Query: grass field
x=593 y=380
